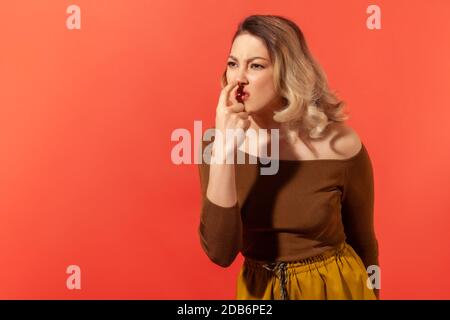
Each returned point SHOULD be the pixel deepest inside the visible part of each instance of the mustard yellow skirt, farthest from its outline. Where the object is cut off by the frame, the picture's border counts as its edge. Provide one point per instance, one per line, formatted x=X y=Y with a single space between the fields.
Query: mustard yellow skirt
x=336 y=274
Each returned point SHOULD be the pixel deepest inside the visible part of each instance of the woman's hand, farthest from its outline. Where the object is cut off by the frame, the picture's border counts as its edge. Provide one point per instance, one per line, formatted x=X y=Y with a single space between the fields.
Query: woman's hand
x=230 y=114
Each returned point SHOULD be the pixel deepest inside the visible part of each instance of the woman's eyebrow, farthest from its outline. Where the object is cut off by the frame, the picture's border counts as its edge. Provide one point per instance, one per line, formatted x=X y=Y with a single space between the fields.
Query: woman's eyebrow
x=231 y=57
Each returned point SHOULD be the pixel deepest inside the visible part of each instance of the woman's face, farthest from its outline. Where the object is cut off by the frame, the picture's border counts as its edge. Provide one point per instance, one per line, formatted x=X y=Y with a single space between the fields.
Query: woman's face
x=250 y=64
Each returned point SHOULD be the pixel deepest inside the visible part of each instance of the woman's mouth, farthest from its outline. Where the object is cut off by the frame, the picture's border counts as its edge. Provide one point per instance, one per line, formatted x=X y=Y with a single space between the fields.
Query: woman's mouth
x=241 y=95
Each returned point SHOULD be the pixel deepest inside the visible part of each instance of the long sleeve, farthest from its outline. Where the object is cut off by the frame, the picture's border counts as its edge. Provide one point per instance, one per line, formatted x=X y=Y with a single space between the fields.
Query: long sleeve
x=220 y=228
x=358 y=209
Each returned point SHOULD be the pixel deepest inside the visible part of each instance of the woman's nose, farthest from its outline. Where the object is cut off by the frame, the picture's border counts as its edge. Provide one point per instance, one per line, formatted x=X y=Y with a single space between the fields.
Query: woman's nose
x=241 y=82
x=241 y=78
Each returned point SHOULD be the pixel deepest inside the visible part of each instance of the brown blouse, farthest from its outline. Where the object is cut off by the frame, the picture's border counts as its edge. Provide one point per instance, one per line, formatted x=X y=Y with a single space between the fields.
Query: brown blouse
x=308 y=207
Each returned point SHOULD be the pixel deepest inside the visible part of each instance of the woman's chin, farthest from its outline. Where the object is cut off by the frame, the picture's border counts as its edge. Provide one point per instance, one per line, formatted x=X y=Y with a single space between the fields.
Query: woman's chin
x=252 y=109
x=249 y=107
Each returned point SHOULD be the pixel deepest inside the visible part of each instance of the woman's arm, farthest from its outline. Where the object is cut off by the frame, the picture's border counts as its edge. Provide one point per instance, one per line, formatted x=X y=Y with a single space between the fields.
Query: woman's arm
x=220 y=221
x=220 y=227
x=358 y=209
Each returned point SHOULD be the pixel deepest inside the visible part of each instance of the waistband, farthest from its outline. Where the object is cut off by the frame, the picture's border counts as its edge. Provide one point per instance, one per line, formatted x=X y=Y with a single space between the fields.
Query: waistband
x=299 y=265
x=282 y=269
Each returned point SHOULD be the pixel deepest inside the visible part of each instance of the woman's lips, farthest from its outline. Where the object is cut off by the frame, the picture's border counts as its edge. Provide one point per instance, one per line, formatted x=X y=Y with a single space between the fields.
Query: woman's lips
x=245 y=96
x=241 y=95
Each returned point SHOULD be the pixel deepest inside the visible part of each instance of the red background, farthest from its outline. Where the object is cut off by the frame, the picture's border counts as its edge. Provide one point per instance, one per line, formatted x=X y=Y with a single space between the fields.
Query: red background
x=86 y=117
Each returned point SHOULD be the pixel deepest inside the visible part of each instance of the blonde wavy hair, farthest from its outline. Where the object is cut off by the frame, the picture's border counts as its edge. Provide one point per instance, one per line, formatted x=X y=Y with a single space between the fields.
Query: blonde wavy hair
x=309 y=103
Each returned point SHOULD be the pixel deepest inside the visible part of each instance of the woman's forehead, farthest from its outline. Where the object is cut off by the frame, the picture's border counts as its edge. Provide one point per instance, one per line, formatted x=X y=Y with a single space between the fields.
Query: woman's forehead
x=248 y=45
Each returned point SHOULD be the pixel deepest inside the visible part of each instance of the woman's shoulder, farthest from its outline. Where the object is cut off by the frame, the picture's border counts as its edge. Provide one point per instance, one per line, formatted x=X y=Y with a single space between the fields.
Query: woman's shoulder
x=344 y=141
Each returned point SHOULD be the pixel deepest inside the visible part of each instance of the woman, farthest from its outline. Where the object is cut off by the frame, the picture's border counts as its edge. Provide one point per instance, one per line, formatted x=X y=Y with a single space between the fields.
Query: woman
x=306 y=232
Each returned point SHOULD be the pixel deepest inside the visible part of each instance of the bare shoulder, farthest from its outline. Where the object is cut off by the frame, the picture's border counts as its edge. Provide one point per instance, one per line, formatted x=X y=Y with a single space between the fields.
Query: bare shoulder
x=345 y=141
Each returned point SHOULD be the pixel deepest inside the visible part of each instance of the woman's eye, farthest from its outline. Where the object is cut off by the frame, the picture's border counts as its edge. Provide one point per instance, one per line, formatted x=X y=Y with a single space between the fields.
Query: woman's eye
x=231 y=64
x=262 y=67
